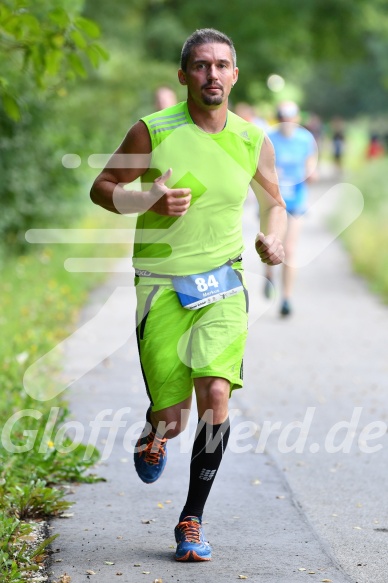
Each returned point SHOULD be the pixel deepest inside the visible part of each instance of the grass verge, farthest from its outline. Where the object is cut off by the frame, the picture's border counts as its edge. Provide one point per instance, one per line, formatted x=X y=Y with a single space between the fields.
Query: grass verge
x=367 y=238
x=40 y=301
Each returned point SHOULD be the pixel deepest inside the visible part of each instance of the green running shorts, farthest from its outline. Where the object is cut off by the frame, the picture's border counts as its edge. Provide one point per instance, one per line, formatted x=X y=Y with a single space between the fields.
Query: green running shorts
x=177 y=345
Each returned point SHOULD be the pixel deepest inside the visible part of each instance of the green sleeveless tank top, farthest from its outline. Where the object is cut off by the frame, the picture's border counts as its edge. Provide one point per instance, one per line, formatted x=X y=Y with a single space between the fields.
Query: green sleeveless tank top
x=218 y=168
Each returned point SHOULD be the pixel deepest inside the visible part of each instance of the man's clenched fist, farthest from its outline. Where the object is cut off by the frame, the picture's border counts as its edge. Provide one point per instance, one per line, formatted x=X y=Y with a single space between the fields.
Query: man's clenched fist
x=270 y=249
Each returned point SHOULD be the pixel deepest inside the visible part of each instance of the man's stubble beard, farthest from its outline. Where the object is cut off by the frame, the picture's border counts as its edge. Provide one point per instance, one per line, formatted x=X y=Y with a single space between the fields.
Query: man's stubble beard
x=213 y=99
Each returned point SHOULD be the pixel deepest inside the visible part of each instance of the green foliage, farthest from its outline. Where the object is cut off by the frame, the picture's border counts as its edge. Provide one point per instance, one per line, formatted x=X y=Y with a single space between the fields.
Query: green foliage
x=17 y=557
x=273 y=36
x=39 y=311
x=14 y=559
x=34 y=500
x=360 y=87
x=36 y=189
x=367 y=238
x=44 y=46
x=351 y=74
x=45 y=42
x=46 y=463
x=324 y=46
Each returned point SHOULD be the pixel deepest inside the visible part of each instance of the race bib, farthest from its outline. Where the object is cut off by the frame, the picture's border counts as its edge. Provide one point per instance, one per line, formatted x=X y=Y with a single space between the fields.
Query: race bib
x=201 y=289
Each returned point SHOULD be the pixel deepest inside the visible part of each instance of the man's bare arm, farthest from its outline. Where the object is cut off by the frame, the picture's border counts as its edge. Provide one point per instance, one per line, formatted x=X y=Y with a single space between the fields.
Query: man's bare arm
x=129 y=162
x=273 y=216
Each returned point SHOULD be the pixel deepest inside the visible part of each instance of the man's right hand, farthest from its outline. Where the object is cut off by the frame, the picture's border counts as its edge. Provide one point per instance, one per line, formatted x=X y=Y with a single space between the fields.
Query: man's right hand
x=170 y=202
x=270 y=249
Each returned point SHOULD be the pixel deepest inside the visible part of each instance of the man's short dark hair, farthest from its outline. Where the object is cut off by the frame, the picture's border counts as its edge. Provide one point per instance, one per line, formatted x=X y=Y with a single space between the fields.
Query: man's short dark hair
x=205 y=36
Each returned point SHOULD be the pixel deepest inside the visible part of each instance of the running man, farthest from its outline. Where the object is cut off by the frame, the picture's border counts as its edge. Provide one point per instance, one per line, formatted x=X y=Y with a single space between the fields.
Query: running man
x=195 y=161
x=296 y=155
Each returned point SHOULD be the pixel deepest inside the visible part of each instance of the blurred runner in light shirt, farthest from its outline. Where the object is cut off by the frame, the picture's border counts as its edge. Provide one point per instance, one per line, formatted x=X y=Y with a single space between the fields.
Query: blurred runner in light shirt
x=296 y=156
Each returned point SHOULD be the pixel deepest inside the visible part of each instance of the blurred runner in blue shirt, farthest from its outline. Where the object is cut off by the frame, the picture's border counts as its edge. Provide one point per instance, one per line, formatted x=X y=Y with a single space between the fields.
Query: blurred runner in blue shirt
x=296 y=155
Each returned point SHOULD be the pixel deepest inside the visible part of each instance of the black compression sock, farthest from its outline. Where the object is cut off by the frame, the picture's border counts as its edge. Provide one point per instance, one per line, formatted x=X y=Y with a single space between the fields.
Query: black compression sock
x=209 y=446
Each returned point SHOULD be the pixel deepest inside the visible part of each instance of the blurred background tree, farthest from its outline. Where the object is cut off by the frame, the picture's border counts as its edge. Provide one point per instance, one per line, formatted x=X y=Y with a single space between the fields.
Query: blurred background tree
x=42 y=45
x=332 y=55
x=45 y=45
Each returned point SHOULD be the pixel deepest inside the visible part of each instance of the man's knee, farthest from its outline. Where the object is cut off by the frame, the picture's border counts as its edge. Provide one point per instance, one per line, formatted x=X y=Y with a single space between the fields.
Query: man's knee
x=212 y=399
x=218 y=393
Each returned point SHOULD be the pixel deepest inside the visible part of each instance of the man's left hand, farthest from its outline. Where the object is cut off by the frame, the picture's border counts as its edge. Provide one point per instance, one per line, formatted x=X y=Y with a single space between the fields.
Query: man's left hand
x=270 y=249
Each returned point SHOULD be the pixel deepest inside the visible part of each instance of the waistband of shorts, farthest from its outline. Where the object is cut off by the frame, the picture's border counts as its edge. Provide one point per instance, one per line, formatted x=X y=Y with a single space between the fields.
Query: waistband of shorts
x=150 y=274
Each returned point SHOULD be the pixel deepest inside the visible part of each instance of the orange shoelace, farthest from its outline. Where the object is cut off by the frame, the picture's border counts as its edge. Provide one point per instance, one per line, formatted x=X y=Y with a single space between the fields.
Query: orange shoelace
x=191 y=531
x=154 y=449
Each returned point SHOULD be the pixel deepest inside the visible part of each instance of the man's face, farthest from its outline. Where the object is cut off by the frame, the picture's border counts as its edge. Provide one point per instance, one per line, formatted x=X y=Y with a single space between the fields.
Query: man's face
x=210 y=74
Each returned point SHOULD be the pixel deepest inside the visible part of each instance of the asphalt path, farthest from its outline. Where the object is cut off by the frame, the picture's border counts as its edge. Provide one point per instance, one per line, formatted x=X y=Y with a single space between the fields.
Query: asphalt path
x=299 y=496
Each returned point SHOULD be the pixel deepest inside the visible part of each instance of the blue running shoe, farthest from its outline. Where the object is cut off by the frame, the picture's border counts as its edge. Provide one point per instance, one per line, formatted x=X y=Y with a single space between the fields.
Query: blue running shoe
x=285 y=309
x=150 y=455
x=190 y=537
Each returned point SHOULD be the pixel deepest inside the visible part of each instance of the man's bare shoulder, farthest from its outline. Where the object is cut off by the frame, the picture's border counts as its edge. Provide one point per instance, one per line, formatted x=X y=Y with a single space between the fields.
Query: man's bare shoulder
x=137 y=140
x=131 y=159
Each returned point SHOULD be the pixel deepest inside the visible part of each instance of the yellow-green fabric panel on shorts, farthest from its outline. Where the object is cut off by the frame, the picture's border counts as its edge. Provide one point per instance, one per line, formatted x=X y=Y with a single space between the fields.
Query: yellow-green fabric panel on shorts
x=177 y=345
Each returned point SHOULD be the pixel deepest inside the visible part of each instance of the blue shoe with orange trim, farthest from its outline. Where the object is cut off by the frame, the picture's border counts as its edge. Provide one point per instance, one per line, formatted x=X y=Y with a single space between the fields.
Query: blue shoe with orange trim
x=190 y=537
x=150 y=455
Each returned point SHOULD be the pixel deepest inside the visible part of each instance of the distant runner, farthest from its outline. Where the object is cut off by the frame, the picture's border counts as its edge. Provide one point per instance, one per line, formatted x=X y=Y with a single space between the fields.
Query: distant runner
x=295 y=150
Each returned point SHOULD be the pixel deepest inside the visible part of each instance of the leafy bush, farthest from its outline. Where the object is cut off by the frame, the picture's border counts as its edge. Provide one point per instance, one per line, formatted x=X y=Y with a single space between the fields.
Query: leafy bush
x=43 y=47
x=40 y=300
x=367 y=238
x=35 y=190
